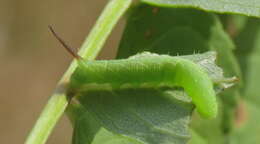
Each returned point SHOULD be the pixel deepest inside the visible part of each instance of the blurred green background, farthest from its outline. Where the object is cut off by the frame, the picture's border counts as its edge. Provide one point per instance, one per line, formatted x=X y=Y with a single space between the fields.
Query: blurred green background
x=32 y=61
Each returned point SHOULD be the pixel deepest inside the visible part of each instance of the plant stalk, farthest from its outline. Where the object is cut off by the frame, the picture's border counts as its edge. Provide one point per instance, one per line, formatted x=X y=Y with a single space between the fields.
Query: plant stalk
x=91 y=47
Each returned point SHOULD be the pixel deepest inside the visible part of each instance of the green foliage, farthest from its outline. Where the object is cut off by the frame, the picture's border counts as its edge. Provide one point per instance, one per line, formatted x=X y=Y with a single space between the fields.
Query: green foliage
x=174 y=31
x=182 y=33
x=164 y=114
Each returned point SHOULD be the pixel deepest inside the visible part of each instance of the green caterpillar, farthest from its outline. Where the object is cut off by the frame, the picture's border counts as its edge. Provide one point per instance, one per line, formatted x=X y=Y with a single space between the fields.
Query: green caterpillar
x=147 y=70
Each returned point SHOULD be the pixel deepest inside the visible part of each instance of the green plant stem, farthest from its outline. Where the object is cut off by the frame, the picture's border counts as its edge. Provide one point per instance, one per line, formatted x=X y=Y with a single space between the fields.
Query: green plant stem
x=89 y=50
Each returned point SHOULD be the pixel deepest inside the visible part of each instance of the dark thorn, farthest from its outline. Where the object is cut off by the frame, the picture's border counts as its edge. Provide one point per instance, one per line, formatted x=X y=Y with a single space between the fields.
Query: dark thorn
x=67 y=47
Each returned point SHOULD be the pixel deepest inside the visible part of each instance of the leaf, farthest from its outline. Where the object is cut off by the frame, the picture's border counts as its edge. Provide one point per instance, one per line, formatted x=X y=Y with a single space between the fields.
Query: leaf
x=179 y=32
x=87 y=130
x=182 y=33
x=147 y=115
x=248 y=7
x=166 y=31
